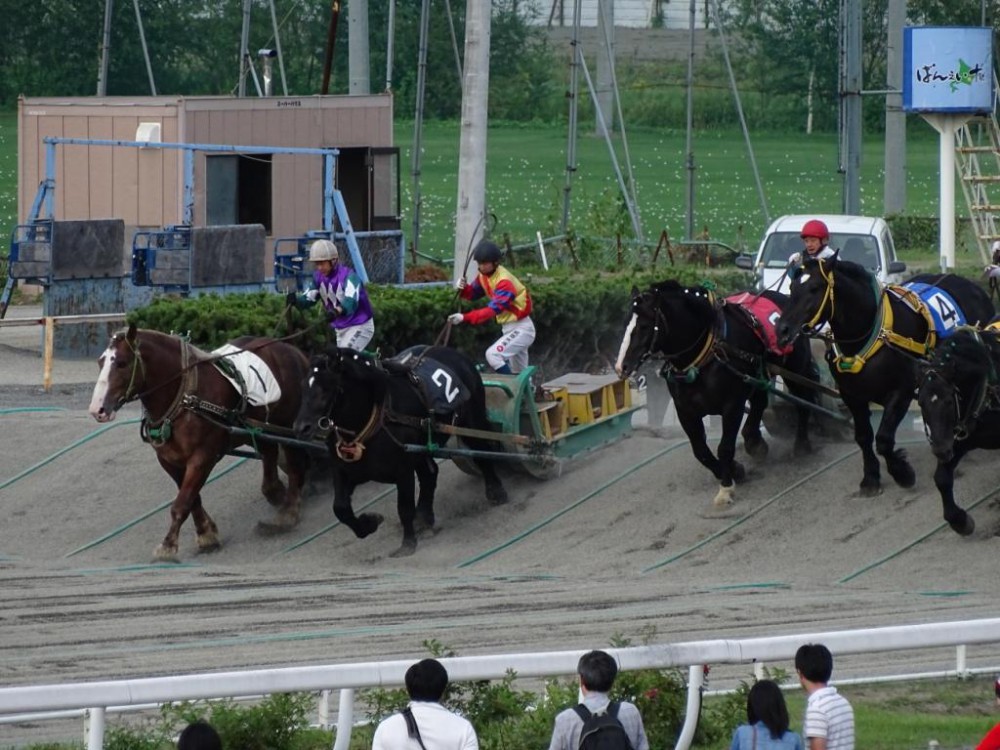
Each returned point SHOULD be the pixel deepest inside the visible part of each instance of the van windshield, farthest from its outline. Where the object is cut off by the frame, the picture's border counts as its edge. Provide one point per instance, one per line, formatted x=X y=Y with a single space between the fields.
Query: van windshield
x=857 y=248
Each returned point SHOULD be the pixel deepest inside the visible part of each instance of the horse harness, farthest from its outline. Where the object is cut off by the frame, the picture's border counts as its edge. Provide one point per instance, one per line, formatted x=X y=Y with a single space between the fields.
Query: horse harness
x=882 y=334
x=715 y=346
x=159 y=431
x=985 y=398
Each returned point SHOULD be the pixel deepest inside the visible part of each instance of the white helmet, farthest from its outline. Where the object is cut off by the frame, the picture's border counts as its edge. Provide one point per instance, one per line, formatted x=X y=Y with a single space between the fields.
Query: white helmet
x=323 y=250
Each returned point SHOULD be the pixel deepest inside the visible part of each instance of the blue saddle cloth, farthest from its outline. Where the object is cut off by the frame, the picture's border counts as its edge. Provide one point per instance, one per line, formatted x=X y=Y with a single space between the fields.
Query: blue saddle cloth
x=945 y=312
x=440 y=388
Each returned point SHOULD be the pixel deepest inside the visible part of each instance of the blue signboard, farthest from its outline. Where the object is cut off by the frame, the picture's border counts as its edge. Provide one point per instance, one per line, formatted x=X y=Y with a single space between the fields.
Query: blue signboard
x=947 y=69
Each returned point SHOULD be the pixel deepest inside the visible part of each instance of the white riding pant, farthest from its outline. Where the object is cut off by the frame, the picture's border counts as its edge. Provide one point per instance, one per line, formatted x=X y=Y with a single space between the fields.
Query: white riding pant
x=512 y=346
x=356 y=337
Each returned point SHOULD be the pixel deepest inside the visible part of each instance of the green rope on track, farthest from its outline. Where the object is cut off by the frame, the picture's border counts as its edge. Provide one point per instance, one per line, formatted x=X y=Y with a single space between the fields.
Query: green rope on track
x=124 y=527
x=532 y=529
x=751 y=514
x=23 y=409
x=335 y=524
x=75 y=444
x=914 y=543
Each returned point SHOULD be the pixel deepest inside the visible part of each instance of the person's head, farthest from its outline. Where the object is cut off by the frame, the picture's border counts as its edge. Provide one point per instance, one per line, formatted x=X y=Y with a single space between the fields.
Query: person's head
x=766 y=703
x=597 y=670
x=199 y=735
x=487 y=255
x=815 y=235
x=324 y=255
x=426 y=681
x=814 y=663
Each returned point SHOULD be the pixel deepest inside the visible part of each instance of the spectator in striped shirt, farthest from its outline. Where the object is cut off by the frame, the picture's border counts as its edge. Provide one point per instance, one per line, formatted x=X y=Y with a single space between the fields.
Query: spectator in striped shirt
x=829 y=719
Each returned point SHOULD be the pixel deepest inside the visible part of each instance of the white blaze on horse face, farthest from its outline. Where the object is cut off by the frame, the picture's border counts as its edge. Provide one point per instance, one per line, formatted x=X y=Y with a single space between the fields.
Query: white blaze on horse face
x=97 y=410
x=626 y=340
x=803 y=278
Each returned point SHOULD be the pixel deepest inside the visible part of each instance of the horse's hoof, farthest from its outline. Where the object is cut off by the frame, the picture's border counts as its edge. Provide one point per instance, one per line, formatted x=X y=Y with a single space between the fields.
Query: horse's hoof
x=424 y=523
x=965 y=528
x=757 y=449
x=725 y=497
x=368 y=523
x=496 y=495
x=209 y=542
x=279 y=525
x=407 y=548
x=275 y=495
x=904 y=475
x=869 y=490
x=166 y=554
x=803 y=448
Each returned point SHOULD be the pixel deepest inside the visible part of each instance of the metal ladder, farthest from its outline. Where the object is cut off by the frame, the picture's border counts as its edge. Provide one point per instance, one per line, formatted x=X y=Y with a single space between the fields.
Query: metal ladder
x=977 y=161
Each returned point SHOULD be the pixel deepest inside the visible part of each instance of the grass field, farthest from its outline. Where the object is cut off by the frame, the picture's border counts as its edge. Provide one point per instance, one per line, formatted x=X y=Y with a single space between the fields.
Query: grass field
x=908 y=715
x=527 y=174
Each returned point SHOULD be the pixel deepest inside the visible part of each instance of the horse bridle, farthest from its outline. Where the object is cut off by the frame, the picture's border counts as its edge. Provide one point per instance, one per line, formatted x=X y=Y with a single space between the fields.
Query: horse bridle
x=131 y=392
x=817 y=320
x=345 y=437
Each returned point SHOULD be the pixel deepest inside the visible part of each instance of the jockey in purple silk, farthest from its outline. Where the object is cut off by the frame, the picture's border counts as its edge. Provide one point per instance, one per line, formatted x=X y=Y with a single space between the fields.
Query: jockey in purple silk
x=343 y=296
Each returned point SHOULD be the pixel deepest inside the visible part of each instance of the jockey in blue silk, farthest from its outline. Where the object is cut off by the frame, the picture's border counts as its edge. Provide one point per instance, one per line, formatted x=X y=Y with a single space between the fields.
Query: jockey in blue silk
x=343 y=296
x=510 y=304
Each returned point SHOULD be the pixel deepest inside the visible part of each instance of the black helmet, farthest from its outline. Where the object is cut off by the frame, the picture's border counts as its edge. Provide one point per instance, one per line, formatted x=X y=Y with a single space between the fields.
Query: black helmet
x=486 y=252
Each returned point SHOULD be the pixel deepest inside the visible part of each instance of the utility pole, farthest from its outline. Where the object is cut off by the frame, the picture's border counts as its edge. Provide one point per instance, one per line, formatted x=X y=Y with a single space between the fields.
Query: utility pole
x=102 y=73
x=470 y=211
x=689 y=140
x=604 y=90
x=357 y=47
x=850 y=90
x=894 y=189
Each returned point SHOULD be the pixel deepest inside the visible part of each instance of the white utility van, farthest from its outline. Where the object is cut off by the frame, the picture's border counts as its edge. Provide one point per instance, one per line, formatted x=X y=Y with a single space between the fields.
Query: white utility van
x=861 y=239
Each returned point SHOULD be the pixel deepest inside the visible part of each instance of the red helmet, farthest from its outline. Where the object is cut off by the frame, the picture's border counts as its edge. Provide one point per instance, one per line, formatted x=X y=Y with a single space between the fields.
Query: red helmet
x=815 y=228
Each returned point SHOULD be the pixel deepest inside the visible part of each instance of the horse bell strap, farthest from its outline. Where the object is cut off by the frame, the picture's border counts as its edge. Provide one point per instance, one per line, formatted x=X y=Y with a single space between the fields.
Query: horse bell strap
x=354 y=450
x=189 y=382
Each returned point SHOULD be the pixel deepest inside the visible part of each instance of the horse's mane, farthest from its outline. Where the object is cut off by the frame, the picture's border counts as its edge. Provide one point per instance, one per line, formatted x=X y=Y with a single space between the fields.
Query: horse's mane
x=964 y=353
x=697 y=298
x=847 y=268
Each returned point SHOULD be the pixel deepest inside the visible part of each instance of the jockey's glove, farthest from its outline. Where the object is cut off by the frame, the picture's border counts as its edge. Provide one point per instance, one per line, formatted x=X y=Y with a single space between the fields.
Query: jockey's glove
x=456 y=318
x=795 y=259
x=460 y=283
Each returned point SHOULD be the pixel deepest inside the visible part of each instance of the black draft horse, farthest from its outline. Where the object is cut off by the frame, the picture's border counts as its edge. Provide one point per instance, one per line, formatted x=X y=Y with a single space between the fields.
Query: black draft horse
x=372 y=412
x=183 y=396
x=715 y=363
x=960 y=402
x=878 y=337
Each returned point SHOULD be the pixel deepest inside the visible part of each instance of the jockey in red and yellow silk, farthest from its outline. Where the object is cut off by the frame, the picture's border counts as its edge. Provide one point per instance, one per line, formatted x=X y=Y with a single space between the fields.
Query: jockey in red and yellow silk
x=509 y=302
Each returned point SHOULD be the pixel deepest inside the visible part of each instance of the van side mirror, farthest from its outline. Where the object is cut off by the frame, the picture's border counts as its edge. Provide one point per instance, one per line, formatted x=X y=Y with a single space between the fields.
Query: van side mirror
x=745 y=262
x=896 y=266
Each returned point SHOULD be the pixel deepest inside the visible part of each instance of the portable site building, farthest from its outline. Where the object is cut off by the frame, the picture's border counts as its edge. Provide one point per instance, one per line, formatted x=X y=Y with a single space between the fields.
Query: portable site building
x=144 y=187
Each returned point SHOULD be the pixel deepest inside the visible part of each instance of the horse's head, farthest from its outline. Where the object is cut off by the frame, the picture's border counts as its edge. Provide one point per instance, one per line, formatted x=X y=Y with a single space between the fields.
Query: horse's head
x=330 y=376
x=639 y=341
x=952 y=390
x=121 y=376
x=810 y=302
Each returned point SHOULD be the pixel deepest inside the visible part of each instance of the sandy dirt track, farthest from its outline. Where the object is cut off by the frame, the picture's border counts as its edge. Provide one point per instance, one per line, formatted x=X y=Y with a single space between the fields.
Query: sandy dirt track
x=608 y=548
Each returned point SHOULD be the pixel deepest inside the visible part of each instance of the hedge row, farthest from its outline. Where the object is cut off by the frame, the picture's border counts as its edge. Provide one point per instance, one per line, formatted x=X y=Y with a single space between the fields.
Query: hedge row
x=579 y=320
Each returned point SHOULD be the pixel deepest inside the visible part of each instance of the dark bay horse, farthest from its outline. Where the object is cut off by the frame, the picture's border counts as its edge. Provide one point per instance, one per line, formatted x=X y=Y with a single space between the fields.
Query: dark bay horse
x=183 y=396
x=716 y=361
x=878 y=337
x=372 y=410
x=959 y=397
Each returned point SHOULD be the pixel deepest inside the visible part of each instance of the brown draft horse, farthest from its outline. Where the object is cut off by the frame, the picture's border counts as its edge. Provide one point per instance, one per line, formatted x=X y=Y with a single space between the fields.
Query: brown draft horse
x=186 y=404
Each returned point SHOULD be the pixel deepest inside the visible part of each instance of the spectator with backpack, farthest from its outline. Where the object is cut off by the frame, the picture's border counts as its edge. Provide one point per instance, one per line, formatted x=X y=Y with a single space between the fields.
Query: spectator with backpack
x=598 y=723
x=425 y=724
